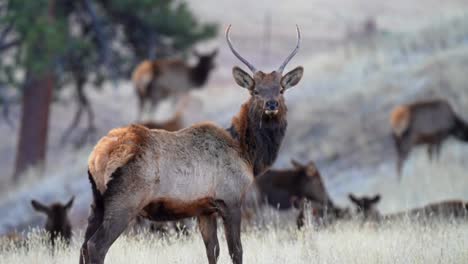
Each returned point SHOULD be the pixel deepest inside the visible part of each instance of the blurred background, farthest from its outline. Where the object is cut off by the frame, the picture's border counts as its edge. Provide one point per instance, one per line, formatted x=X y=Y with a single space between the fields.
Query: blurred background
x=66 y=80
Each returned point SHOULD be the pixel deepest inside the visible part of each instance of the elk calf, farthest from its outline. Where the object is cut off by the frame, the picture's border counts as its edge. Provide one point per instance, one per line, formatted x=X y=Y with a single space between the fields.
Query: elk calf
x=427 y=122
x=201 y=171
x=157 y=80
x=57 y=224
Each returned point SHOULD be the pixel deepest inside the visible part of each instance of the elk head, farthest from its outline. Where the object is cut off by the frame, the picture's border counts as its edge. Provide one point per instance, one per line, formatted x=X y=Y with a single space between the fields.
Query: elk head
x=267 y=89
x=310 y=183
x=57 y=223
x=365 y=205
x=206 y=61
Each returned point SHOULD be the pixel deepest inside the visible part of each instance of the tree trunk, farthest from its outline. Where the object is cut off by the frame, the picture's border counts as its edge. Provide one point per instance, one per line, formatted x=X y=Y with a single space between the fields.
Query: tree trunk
x=32 y=141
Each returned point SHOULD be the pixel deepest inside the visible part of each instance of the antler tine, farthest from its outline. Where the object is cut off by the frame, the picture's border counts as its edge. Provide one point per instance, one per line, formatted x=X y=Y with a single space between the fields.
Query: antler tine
x=281 y=68
x=251 y=67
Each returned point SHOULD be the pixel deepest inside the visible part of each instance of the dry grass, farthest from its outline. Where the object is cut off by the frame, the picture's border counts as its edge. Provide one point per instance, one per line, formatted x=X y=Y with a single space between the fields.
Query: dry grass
x=344 y=243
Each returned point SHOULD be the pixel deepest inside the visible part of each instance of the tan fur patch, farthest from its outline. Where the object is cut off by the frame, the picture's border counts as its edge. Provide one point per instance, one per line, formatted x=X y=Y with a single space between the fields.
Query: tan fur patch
x=115 y=150
x=400 y=119
x=142 y=76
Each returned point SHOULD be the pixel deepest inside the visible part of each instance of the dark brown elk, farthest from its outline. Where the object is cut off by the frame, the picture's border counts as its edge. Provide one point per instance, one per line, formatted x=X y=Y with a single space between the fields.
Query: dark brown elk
x=443 y=210
x=57 y=223
x=157 y=80
x=284 y=189
x=424 y=123
x=201 y=171
x=366 y=207
x=279 y=188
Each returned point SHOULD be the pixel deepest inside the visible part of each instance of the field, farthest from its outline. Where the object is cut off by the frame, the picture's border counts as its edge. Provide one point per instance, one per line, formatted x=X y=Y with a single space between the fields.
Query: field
x=338 y=117
x=401 y=242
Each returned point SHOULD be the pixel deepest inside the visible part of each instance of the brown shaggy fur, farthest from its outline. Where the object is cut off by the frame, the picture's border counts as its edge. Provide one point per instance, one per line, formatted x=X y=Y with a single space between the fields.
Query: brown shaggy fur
x=114 y=151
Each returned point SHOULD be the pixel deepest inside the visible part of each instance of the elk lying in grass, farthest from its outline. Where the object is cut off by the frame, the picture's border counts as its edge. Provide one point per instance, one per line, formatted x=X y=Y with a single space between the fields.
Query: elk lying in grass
x=279 y=188
x=157 y=80
x=201 y=171
x=283 y=189
x=57 y=224
x=444 y=210
x=427 y=122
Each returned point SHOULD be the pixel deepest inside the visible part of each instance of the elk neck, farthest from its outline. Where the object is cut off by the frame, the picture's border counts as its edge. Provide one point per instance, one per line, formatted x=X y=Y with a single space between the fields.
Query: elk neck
x=199 y=73
x=259 y=136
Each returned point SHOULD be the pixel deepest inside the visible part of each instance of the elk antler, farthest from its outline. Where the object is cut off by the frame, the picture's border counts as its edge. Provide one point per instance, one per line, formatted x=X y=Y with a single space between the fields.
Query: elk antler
x=251 y=67
x=286 y=61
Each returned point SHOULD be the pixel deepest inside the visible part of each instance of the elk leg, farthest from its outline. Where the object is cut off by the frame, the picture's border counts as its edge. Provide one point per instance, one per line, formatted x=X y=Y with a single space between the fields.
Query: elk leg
x=208 y=229
x=141 y=107
x=403 y=147
x=438 y=148
x=94 y=222
x=430 y=151
x=114 y=223
x=232 y=225
x=300 y=221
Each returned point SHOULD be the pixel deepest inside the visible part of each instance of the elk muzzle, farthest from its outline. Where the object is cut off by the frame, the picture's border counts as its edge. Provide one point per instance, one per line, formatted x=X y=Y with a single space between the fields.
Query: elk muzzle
x=271 y=107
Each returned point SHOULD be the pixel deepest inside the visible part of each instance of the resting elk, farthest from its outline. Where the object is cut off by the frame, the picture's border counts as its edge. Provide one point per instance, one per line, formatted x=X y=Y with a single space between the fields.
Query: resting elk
x=280 y=188
x=201 y=171
x=450 y=209
x=57 y=224
x=157 y=80
x=426 y=122
x=284 y=189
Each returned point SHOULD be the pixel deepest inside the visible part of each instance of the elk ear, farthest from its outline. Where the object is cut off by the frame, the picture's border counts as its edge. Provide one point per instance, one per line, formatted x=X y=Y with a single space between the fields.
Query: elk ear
x=292 y=78
x=296 y=164
x=353 y=199
x=39 y=207
x=242 y=78
x=376 y=199
x=69 y=203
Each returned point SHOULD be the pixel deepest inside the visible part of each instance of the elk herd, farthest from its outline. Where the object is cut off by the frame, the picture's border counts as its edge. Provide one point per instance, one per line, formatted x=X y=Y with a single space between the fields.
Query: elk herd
x=165 y=172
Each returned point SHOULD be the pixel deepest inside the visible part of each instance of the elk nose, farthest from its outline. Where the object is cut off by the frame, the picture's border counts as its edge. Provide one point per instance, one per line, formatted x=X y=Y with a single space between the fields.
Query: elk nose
x=271 y=105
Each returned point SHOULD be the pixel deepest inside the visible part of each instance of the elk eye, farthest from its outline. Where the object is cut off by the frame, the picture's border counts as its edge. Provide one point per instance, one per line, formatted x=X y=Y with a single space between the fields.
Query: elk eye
x=255 y=92
x=282 y=91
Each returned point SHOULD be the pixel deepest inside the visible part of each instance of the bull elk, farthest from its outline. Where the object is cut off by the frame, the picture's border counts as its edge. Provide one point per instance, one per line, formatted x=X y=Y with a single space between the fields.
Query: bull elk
x=157 y=80
x=450 y=209
x=201 y=171
x=424 y=123
x=57 y=224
